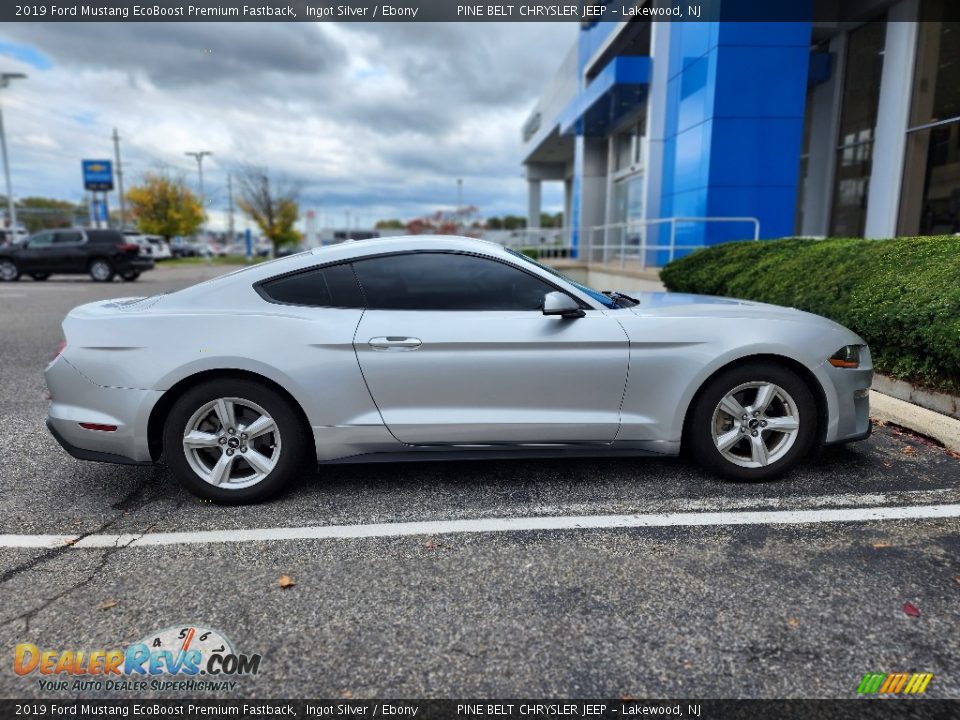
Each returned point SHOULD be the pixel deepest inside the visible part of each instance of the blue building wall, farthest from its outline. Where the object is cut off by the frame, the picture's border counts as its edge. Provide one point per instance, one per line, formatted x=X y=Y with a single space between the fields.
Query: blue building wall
x=733 y=128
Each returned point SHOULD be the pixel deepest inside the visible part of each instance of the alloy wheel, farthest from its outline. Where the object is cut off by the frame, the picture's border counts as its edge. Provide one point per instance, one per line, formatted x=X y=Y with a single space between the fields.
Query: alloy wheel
x=100 y=270
x=8 y=271
x=755 y=424
x=232 y=443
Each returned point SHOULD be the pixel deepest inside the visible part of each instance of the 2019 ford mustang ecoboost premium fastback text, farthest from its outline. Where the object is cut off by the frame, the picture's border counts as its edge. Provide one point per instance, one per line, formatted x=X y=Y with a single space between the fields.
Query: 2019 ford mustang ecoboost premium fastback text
x=402 y=348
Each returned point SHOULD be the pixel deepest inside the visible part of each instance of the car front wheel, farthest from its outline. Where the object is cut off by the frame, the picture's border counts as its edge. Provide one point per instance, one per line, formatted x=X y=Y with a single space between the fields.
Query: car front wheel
x=234 y=441
x=752 y=422
x=9 y=271
x=130 y=276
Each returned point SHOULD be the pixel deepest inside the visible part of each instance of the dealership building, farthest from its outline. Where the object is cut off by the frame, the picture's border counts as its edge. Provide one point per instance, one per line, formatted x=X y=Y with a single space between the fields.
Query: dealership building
x=843 y=128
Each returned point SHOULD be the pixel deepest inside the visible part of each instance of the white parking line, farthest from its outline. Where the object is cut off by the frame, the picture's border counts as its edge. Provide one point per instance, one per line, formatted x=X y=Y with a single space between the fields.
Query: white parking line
x=487 y=525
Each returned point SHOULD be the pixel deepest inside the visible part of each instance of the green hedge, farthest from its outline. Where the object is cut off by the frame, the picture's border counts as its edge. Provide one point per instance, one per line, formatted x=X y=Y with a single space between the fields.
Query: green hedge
x=902 y=296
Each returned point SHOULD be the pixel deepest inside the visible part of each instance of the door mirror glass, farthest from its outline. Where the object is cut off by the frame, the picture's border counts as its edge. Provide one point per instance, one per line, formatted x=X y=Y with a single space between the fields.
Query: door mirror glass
x=558 y=303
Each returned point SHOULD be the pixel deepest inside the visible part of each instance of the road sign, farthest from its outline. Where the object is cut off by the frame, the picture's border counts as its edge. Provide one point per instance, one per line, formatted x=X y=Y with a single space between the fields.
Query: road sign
x=97 y=175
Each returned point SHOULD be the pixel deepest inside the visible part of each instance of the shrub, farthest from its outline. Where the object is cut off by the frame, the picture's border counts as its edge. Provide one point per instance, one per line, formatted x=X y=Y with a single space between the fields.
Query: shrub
x=902 y=295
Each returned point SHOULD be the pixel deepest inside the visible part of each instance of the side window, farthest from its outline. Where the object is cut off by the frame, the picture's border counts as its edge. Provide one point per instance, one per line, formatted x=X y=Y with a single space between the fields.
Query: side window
x=333 y=286
x=70 y=237
x=43 y=239
x=447 y=281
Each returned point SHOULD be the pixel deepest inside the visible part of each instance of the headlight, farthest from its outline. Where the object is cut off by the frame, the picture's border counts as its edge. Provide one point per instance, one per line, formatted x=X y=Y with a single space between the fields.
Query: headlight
x=846 y=357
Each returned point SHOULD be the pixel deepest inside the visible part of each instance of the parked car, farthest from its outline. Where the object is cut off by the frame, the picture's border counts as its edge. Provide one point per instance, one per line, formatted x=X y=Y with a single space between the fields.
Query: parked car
x=443 y=347
x=12 y=237
x=102 y=254
x=159 y=248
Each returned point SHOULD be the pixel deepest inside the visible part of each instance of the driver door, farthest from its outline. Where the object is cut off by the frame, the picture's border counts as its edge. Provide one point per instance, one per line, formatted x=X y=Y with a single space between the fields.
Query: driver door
x=455 y=349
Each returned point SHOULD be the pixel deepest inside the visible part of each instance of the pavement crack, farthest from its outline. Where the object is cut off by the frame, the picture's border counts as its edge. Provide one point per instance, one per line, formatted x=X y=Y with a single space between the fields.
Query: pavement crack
x=133 y=500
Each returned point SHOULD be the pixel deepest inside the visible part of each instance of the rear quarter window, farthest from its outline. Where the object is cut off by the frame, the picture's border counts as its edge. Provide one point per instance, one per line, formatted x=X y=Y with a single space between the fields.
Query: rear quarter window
x=103 y=237
x=333 y=286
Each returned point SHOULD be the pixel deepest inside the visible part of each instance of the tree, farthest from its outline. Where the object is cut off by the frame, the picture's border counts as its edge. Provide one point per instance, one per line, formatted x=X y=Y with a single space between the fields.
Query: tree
x=40 y=213
x=162 y=204
x=392 y=224
x=273 y=205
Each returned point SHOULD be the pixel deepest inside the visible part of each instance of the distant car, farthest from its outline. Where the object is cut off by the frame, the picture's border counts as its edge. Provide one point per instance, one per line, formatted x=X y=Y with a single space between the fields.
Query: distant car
x=159 y=248
x=409 y=348
x=103 y=254
x=12 y=237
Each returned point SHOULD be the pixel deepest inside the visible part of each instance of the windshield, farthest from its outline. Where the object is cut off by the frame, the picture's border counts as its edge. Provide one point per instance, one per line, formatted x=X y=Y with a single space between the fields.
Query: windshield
x=595 y=294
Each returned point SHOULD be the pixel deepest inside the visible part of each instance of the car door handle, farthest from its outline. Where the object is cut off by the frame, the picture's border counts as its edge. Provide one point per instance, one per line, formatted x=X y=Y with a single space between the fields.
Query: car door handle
x=394 y=342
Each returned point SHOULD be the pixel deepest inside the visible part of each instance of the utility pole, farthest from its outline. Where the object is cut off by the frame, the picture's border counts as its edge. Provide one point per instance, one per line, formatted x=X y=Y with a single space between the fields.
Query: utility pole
x=123 y=204
x=230 y=205
x=5 y=79
x=200 y=155
x=459 y=194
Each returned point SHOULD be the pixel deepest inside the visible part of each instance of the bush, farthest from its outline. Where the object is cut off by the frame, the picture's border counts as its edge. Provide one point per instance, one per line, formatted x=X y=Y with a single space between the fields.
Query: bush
x=902 y=295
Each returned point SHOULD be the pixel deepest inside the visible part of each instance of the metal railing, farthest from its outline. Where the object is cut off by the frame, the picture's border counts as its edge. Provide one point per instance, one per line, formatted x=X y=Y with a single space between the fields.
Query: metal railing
x=638 y=243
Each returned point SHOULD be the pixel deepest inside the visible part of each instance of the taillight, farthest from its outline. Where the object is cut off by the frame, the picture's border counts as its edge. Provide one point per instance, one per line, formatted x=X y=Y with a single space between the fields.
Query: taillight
x=126 y=247
x=60 y=348
x=100 y=427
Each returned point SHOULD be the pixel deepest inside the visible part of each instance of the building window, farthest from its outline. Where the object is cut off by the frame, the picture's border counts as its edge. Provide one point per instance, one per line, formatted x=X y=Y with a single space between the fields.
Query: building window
x=858 y=119
x=930 y=198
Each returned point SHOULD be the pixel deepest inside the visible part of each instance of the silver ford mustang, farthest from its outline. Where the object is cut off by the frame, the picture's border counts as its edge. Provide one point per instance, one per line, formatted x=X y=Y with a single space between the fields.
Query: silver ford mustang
x=442 y=347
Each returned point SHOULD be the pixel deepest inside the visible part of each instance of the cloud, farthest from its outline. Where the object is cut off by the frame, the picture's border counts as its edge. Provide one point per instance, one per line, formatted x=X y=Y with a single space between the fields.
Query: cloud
x=374 y=119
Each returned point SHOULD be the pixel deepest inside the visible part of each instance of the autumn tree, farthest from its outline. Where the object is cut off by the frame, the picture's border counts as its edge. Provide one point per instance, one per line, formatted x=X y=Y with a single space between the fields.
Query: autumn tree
x=274 y=205
x=162 y=204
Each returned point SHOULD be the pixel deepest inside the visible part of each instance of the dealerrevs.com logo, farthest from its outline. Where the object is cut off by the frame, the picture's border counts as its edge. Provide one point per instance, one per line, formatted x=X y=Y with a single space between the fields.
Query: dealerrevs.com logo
x=186 y=657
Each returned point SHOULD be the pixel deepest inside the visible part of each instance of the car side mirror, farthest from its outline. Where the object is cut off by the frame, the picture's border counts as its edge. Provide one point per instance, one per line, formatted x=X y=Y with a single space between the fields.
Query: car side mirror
x=558 y=303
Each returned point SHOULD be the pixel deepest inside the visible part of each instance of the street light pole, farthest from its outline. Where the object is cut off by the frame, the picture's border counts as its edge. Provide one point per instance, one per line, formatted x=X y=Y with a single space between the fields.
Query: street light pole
x=200 y=155
x=5 y=79
x=123 y=206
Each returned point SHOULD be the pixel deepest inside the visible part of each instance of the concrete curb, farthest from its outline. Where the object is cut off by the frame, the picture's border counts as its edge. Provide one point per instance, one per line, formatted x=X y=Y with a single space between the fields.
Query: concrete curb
x=913 y=417
x=937 y=401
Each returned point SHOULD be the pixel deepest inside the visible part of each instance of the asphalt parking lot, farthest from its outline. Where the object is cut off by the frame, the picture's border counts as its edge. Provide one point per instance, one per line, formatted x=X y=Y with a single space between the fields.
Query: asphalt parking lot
x=678 y=609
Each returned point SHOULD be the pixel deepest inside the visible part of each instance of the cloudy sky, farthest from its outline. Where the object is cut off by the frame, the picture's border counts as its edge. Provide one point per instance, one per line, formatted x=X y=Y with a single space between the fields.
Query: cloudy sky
x=378 y=120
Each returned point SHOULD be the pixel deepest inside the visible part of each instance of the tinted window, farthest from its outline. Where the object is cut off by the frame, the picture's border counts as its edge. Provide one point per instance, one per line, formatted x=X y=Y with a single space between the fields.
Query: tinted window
x=41 y=240
x=68 y=238
x=333 y=286
x=105 y=236
x=447 y=281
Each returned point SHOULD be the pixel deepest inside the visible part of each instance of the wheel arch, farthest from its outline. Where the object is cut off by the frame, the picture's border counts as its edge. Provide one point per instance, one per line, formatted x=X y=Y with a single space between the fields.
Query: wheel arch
x=161 y=410
x=802 y=371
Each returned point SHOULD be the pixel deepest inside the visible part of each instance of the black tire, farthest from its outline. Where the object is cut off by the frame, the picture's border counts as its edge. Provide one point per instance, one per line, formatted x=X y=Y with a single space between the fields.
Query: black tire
x=9 y=272
x=705 y=415
x=292 y=444
x=101 y=270
x=39 y=276
x=130 y=276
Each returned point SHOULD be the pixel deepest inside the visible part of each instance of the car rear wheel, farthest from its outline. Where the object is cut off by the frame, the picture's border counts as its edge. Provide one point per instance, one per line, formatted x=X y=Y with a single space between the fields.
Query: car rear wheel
x=234 y=441
x=752 y=422
x=39 y=276
x=9 y=271
x=130 y=276
x=101 y=270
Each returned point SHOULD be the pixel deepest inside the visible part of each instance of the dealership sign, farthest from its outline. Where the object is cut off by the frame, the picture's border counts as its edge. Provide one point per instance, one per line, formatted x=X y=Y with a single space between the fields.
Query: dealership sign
x=97 y=175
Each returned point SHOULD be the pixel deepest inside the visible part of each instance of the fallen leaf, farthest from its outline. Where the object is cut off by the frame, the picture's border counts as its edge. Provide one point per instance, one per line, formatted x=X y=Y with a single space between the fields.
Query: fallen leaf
x=956 y=579
x=879 y=545
x=346 y=694
x=71 y=541
x=793 y=622
x=430 y=544
x=888 y=465
x=911 y=609
x=286 y=581
x=909 y=450
x=107 y=604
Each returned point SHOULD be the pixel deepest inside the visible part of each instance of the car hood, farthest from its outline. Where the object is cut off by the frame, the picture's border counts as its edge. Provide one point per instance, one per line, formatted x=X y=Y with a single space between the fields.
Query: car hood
x=668 y=304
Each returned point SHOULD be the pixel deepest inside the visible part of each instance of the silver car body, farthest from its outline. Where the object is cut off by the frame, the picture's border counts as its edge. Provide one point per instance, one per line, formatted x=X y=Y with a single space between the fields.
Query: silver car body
x=378 y=384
